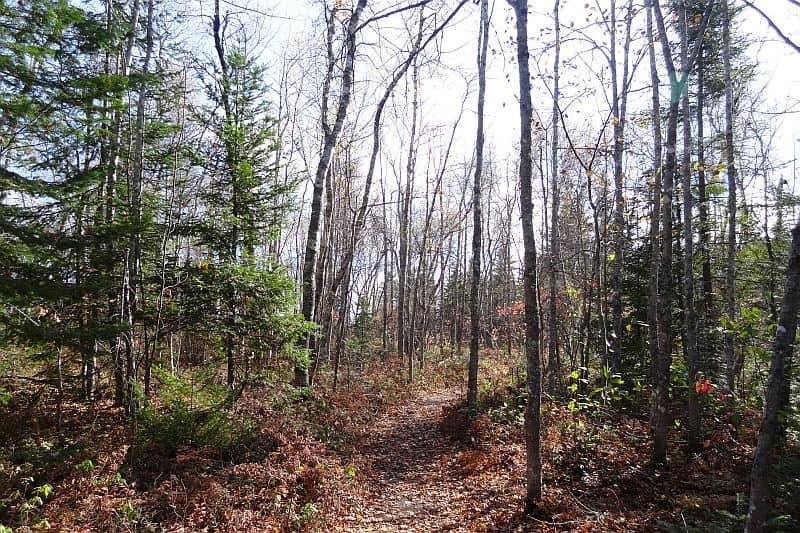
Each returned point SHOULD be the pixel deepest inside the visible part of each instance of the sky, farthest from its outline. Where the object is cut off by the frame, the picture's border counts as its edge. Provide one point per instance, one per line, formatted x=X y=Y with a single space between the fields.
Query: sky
x=778 y=64
x=290 y=27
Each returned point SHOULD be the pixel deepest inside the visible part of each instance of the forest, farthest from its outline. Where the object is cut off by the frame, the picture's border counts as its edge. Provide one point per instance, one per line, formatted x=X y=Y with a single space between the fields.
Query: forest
x=399 y=265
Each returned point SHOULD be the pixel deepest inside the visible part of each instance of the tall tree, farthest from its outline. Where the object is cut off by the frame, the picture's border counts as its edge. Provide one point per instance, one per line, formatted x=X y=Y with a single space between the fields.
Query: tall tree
x=619 y=104
x=661 y=366
x=702 y=191
x=243 y=195
x=782 y=350
x=554 y=360
x=56 y=274
x=477 y=230
x=690 y=313
x=117 y=64
x=655 y=201
x=533 y=493
x=406 y=195
x=133 y=260
x=329 y=140
x=660 y=401
x=732 y=361
x=359 y=221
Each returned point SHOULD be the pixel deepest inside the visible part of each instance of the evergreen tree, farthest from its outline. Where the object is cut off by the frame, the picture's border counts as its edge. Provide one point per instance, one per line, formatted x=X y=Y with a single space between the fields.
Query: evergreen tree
x=238 y=287
x=56 y=270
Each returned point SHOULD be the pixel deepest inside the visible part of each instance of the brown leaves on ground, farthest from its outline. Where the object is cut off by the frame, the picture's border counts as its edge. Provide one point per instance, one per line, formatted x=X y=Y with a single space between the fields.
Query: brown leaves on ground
x=374 y=456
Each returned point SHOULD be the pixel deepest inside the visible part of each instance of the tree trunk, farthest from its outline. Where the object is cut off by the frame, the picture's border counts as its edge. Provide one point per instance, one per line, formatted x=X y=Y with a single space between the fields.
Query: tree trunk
x=706 y=340
x=387 y=280
x=323 y=308
x=111 y=159
x=477 y=230
x=618 y=110
x=708 y=296
x=732 y=361
x=655 y=208
x=403 y=348
x=554 y=385
x=690 y=314
x=533 y=494
x=301 y=375
x=770 y=424
x=359 y=220
x=661 y=379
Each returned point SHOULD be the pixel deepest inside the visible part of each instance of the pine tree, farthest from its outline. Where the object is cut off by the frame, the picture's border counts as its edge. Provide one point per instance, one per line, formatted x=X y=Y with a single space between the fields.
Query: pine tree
x=56 y=271
x=238 y=287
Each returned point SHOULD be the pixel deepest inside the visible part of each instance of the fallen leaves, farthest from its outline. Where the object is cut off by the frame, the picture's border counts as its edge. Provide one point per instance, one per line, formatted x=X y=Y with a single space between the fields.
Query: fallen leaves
x=380 y=457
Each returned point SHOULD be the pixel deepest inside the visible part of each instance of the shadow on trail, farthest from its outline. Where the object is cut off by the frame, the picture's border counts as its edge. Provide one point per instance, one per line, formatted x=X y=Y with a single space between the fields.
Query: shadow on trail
x=412 y=446
x=411 y=450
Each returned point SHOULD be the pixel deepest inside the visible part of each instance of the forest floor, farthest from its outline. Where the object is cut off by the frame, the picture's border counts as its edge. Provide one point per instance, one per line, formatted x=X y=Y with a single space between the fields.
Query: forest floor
x=378 y=455
x=415 y=477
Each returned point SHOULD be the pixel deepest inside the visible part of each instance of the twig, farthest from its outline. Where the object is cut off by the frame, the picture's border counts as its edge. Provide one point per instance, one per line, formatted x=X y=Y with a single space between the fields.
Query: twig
x=553 y=524
x=256 y=11
x=587 y=509
x=23 y=313
x=24 y=378
x=774 y=26
x=393 y=12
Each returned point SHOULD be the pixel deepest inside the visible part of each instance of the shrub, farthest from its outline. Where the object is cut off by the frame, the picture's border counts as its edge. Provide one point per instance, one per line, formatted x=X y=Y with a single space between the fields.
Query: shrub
x=192 y=410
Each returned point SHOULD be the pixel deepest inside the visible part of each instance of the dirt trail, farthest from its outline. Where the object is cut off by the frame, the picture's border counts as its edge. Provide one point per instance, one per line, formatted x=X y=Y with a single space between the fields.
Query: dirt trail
x=413 y=481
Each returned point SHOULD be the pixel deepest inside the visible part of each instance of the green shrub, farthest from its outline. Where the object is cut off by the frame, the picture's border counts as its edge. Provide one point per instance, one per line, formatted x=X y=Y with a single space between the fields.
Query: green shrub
x=191 y=410
x=5 y=397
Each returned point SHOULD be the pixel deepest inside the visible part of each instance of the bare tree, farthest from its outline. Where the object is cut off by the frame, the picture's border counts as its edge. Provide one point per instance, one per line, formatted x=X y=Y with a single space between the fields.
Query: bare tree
x=133 y=261
x=733 y=363
x=533 y=494
x=403 y=348
x=554 y=362
x=474 y=309
x=119 y=65
x=655 y=206
x=619 y=104
x=661 y=366
x=340 y=280
x=690 y=313
x=330 y=137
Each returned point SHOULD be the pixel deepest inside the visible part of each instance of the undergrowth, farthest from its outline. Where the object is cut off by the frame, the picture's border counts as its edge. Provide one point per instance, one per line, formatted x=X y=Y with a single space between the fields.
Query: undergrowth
x=266 y=455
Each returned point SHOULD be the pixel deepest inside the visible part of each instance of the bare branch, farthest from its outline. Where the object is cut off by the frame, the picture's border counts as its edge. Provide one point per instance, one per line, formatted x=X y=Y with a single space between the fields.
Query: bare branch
x=256 y=11
x=774 y=26
x=393 y=12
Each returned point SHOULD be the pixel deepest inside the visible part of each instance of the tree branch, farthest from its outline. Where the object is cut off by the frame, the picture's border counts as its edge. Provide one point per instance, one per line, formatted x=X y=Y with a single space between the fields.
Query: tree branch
x=774 y=26
x=256 y=11
x=393 y=12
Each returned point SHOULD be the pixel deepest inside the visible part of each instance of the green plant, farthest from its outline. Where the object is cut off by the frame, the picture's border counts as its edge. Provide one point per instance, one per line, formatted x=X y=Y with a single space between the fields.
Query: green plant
x=508 y=413
x=307 y=511
x=37 y=498
x=37 y=456
x=42 y=524
x=85 y=466
x=5 y=399
x=193 y=411
x=609 y=389
x=301 y=357
x=300 y=516
x=118 y=479
x=126 y=514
